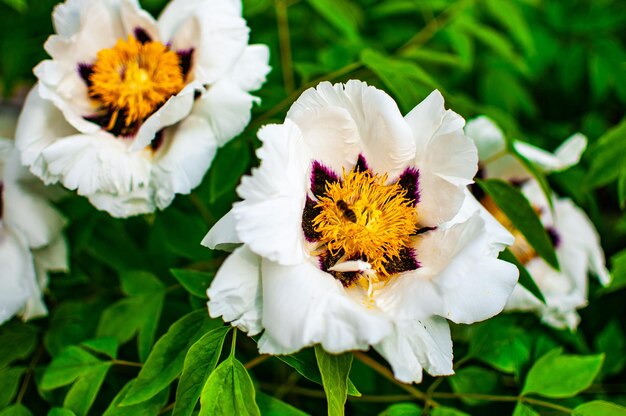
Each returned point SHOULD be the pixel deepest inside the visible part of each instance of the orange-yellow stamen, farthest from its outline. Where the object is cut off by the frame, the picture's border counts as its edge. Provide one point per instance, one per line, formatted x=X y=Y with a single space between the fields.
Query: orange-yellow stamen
x=134 y=79
x=365 y=218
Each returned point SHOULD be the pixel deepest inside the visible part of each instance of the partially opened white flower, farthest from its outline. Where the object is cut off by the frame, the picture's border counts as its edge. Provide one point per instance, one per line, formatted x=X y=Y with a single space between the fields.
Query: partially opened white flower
x=130 y=110
x=575 y=239
x=31 y=243
x=343 y=239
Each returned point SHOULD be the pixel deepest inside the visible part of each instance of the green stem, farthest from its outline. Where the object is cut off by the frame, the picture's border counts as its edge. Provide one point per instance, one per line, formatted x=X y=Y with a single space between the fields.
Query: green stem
x=284 y=41
x=233 y=344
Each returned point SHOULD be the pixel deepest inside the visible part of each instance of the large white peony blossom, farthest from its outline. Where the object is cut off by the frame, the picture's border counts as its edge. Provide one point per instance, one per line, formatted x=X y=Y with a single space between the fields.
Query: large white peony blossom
x=575 y=239
x=343 y=238
x=31 y=243
x=130 y=110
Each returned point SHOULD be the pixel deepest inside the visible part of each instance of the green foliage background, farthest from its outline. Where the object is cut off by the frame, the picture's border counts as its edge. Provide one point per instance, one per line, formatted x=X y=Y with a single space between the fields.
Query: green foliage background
x=128 y=332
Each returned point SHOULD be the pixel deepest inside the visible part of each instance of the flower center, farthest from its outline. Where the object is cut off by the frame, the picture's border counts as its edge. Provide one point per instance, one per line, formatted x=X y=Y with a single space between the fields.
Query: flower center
x=361 y=218
x=134 y=79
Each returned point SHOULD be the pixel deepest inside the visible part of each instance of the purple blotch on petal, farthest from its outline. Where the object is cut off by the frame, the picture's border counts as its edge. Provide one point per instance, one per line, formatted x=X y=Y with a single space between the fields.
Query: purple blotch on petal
x=320 y=176
x=405 y=262
x=361 y=165
x=142 y=36
x=409 y=180
x=554 y=235
x=308 y=215
x=184 y=60
x=85 y=71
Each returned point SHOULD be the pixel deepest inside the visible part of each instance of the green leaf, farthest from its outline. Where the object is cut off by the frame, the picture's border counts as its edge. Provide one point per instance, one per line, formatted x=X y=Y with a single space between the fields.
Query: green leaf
x=230 y=163
x=57 y=411
x=193 y=281
x=522 y=409
x=557 y=375
x=9 y=382
x=525 y=279
x=199 y=363
x=474 y=380
x=107 y=346
x=406 y=79
x=83 y=393
x=17 y=409
x=137 y=314
x=500 y=343
x=608 y=156
x=402 y=409
x=229 y=391
x=447 y=411
x=166 y=360
x=271 y=406
x=305 y=363
x=509 y=15
x=612 y=343
x=150 y=407
x=599 y=408
x=517 y=208
x=72 y=323
x=434 y=57
x=17 y=341
x=621 y=188
x=69 y=365
x=344 y=15
x=334 y=369
x=19 y=5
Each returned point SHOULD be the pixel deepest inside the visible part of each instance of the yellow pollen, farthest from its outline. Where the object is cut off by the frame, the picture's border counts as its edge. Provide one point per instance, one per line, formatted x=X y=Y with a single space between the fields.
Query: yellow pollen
x=521 y=249
x=365 y=218
x=135 y=78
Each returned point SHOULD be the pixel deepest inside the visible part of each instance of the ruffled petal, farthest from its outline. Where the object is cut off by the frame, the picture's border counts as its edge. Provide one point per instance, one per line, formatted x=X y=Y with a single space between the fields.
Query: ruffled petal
x=565 y=156
x=223 y=235
x=181 y=163
x=269 y=219
x=415 y=345
x=303 y=306
x=252 y=68
x=236 y=293
x=16 y=274
x=129 y=204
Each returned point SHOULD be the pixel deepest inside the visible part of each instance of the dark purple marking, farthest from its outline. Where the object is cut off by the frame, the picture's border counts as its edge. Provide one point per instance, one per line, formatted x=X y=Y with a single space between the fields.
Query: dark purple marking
x=361 y=165
x=308 y=215
x=119 y=128
x=554 y=235
x=1 y=199
x=424 y=230
x=409 y=180
x=517 y=182
x=320 y=177
x=142 y=36
x=328 y=260
x=156 y=143
x=474 y=188
x=85 y=71
x=405 y=262
x=184 y=60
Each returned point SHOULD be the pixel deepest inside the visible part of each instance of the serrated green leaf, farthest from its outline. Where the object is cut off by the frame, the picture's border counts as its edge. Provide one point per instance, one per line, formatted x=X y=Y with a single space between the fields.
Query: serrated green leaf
x=150 y=407
x=9 y=382
x=229 y=391
x=17 y=409
x=57 y=411
x=193 y=281
x=525 y=279
x=557 y=376
x=72 y=363
x=599 y=408
x=305 y=363
x=522 y=409
x=81 y=396
x=17 y=341
x=517 y=208
x=344 y=15
x=271 y=406
x=199 y=363
x=402 y=409
x=166 y=359
x=334 y=369
x=474 y=380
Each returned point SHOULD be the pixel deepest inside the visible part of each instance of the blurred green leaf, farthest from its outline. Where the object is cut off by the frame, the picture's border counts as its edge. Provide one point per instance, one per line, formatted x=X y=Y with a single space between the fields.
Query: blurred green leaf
x=557 y=375
x=17 y=409
x=344 y=15
x=199 y=363
x=612 y=342
x=57 y=411
x=231 y=162
x=447 y=411
x=508 y=14
x=474 y=380
x=19 y=5
x=608 y=156
x=229 y=391
x=193 y=281
x=271 y=406
x=334 y=369
x=599 y=408
x=17 y=341
x=517 y=208
x=9 y=382
x=525 y=279
x=150 y=407
x=522 y=409
x=402 y=409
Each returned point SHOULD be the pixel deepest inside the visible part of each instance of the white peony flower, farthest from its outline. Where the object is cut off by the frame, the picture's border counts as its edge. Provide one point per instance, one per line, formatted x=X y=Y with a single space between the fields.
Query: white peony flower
x=130 y=110
x=576 y=241
x=31 y=243
x=342 y=235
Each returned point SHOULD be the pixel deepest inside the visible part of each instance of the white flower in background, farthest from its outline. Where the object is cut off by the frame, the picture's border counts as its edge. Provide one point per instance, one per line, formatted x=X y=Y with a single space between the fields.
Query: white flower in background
x=342 y=239
x=31 y=243
x=575 y=239
x=130 y=110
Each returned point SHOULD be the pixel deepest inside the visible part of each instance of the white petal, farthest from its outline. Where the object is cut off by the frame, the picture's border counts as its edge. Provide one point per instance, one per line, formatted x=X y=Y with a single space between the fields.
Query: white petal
x=227 y=109
x=223 y=236
x=68 y=16
x=54 y=256
x=252 y=67
x=236 y=294
x=487 y=136
x=183 y=159
x=303 y=306
x=269 y=219
x=133 y=17
x=97 y=164
x=137 y=202
x=415 y=345
x=16 y=273
x=565 y=156
x=40 y=124
x=215 y=31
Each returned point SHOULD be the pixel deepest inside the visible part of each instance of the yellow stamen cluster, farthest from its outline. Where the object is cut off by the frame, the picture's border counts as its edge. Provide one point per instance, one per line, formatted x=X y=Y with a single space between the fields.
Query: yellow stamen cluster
x=135 y=78
x=521 y=249
x=364 y=217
